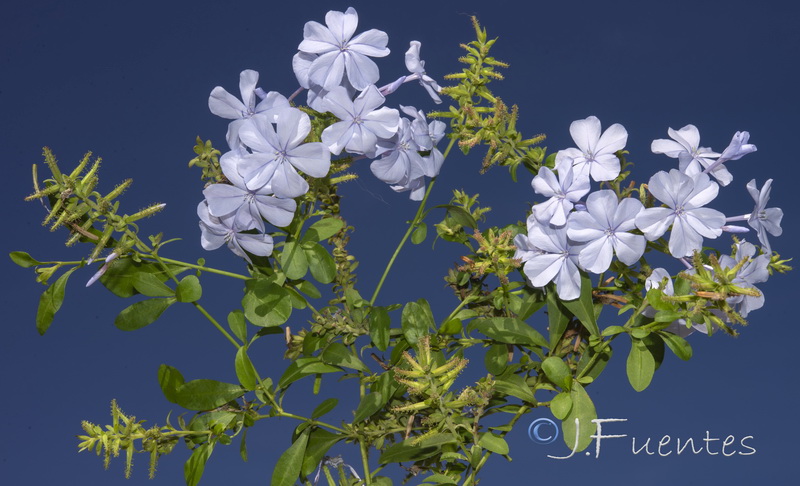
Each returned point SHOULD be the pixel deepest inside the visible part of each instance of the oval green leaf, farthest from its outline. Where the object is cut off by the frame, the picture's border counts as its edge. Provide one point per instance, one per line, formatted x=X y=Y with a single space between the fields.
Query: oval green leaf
x=206 y=394
x=338 y=354
x=379 y=323
x=189 y=289
x=320 y=262
x=150 y=285
x=23 y=259
x=265 y=303
x=142 y=313
x=287 y=470
x=50 y=301
x=245 y=371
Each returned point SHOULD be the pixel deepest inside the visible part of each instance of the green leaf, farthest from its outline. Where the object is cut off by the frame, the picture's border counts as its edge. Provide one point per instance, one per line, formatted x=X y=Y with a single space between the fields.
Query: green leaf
x=496 y=359
x=319 y=442
x=678 y=345
x=324 y=407
x=655 y=297
x=245 y=371
x=24 y=260
x=613 y=330
x=508 y=330
x=419 y=234
x=561 y=405
x=451 y=327
x=557 y=317
x=525 y=307
x=50 y=302
x=308 y=288
x=320 y=262
x=682 y=286
x=667 y=316
x=120 y=276
x=583 y=307
x=206 y=394
x=142 y=313
x=403 y=452
x=189 y=289
x=494 y=443
x=266 y=303
x=582 y=409
x=381 y=481
x=289 y=465
x=641 y=365
x=170 y=380
x=303 y=367
x=150 y=285
x=323 y=229
x=459 y=215
x=415 y=322
x=370 y=403
x=293 y=260
x=597 y=366
x=338 y=354
x=379 y=323
x=237 y=324
x=515 y=386
x=558 y=372
x=194 y=467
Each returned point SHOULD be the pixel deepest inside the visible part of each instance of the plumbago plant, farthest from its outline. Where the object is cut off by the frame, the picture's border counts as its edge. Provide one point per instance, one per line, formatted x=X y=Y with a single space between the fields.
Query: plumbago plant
x=528 y=296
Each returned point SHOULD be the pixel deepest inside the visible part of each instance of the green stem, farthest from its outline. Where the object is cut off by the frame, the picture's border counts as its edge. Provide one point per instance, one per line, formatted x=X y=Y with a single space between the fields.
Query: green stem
x=205 y=269
x=305 y=419
x=195 y=304
x=216 y=324
x=365 y=461
x=414 y=222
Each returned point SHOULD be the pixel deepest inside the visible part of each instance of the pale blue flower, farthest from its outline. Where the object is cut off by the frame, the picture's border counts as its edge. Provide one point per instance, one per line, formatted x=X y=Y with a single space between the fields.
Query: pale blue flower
x=692 y=158
x=403 y=161
x=604 y=227
x=557 y=262
x=216 y=232
x=737 y=149
x=763 y=219
x=225 y=105
x=362 y=123
x=563 y=192
x=752 y=272
x=690 y=221
x=250 y=207
x=595 y=155
x=339 y=53
x=285 y=152
x=417 y=68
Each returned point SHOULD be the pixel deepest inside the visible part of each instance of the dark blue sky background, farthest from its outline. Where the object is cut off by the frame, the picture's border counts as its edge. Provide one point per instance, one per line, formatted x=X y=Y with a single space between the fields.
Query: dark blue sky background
x=130 y=81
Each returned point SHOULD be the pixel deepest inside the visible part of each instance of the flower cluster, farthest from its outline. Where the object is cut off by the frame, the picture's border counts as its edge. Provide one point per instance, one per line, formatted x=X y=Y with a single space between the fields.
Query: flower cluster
x=577 y=229
x=270 y=155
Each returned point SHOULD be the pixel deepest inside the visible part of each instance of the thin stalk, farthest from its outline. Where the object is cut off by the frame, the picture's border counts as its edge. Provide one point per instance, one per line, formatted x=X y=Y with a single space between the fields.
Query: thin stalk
x=417 y=219
x=365 y=462
x=206 y=269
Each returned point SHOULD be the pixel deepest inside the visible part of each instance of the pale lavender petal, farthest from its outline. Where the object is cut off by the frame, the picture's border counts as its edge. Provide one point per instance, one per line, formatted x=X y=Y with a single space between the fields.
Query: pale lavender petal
x=317 y=39
x=585 y=133
x=361 y=70
x=629 y=247
x=313 y=158
x=614 y=138
x=225 y=105
x=542 y=268
x=596 y=256
x=371 y=43
x=654 y=222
